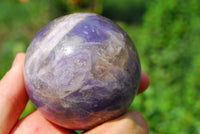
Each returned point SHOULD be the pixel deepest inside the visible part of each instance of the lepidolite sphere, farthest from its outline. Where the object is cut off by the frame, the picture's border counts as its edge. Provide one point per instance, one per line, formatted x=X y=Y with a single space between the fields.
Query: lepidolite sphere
x=81 y=70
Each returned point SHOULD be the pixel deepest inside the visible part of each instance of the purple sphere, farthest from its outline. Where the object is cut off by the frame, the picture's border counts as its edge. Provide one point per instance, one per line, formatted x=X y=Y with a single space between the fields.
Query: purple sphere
x=81 y=70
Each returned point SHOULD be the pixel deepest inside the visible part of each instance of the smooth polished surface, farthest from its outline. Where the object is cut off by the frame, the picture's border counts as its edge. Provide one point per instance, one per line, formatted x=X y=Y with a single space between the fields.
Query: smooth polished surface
x=81 y=70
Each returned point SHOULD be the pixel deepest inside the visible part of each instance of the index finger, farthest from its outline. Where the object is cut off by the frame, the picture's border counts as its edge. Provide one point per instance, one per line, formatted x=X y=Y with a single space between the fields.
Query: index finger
x=13 y=96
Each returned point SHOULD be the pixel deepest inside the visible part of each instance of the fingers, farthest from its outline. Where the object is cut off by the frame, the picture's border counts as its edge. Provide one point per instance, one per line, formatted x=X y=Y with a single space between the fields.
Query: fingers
x=13 y=97
x=144 y=82
x=35 y=123
x=130 y=123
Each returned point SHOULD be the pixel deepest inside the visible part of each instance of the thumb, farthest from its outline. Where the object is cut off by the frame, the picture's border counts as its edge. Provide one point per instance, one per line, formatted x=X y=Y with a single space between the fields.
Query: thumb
x=131 y=123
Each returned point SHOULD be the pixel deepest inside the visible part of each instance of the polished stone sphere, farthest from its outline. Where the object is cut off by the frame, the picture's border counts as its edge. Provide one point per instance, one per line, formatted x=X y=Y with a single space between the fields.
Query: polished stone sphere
x=81 y=70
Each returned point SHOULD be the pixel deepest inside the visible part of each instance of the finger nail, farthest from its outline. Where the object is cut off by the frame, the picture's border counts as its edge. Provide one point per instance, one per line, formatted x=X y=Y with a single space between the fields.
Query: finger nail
x=139 y=119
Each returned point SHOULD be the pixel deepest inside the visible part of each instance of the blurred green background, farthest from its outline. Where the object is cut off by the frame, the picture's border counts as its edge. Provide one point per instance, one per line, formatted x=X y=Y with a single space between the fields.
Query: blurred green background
x=167 y=37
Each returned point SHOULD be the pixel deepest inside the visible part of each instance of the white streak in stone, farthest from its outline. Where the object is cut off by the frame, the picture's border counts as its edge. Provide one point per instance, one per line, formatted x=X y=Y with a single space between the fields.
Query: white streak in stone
x=56 y=33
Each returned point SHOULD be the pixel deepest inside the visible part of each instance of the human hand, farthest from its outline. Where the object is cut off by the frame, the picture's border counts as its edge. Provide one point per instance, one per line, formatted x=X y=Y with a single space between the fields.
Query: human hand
x=13 y=99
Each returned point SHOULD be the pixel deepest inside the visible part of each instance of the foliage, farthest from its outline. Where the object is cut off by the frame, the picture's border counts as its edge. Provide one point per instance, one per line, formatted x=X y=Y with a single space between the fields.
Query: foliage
x=166 y=34
x=130 y=11
x=168 y=42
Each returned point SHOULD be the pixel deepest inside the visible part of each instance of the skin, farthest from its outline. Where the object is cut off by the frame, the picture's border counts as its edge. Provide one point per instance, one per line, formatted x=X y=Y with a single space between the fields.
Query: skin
x=13 y=99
